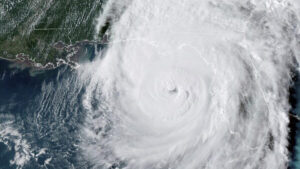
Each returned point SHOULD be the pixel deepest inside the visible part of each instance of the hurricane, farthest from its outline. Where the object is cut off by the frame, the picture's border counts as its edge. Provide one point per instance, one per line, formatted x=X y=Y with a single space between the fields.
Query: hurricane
x=191 y=84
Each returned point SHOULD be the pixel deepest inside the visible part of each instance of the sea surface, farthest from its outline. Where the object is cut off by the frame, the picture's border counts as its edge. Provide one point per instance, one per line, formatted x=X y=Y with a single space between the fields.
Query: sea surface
x=39 y=126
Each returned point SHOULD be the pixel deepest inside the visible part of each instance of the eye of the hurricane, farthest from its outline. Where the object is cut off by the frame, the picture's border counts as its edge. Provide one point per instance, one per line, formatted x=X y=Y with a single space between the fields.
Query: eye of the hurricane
x=175 y=94
x=173 y=90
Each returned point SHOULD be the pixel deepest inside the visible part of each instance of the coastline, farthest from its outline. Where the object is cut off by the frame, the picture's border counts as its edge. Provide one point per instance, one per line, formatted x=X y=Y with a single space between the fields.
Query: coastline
x=75 y=52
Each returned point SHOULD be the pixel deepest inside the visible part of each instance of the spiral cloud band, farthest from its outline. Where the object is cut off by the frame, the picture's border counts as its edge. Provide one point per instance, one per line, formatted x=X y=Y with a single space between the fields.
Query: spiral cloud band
x=191 y=84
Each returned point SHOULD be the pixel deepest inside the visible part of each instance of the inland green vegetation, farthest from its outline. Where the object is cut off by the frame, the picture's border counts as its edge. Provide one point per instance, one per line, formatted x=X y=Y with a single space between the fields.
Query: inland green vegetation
x=46 y=30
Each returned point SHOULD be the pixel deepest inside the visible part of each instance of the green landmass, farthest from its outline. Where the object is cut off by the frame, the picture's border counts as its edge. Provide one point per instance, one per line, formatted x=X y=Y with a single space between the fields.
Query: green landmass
x=32 y=27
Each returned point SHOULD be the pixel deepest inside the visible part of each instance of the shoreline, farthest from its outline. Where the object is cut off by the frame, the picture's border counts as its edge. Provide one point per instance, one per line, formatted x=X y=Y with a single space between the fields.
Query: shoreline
x=71 y=58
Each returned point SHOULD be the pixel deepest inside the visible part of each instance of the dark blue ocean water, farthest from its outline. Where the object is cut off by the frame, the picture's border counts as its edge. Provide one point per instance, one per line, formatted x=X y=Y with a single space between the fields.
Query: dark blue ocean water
x=44 y=113
x=40 y=117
